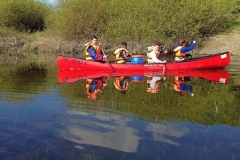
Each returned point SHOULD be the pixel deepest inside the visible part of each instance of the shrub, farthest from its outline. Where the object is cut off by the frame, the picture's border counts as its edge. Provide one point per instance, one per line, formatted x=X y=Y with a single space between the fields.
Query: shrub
x=167 y=19
x=142 y=21
x=27 y=15
x=77 y=18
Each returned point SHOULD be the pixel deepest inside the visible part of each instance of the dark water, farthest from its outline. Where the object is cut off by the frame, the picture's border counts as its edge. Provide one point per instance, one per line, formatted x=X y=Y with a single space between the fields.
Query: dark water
x=46 y=116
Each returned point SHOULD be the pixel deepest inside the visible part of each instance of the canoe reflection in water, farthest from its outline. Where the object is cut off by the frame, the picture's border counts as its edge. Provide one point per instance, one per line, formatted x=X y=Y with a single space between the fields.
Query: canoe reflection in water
x=96 y=81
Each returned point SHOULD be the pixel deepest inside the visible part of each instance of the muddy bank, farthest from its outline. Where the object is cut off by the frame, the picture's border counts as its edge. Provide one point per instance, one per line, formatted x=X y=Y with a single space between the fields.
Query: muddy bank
x=221 y=43
x=17 y=47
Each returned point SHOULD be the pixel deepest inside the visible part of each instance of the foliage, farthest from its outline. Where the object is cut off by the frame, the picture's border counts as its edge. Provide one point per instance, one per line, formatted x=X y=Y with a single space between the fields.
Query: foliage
x=27 y=15
x=77 y=18
x=6 y=31
x=147 y=21
x=140 y=23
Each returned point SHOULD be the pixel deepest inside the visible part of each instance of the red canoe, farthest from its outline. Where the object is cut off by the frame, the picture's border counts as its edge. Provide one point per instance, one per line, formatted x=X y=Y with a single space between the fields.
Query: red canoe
x=218 y=76
x=217 y=61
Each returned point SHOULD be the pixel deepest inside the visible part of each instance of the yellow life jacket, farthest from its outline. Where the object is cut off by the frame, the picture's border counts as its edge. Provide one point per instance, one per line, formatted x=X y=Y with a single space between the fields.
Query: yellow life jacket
x=97 y=49
x=178 y=55
x=117 y=84
x=119 y=58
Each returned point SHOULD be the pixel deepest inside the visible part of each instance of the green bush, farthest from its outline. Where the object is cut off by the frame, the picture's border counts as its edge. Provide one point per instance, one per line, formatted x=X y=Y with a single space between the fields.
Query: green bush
x=142 y=21
x=77 y=18
x=167 y=19
x=26 y=15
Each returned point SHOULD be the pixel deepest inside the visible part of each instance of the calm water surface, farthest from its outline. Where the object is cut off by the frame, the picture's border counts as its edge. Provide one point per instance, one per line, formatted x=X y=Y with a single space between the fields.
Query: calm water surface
x=48 y=115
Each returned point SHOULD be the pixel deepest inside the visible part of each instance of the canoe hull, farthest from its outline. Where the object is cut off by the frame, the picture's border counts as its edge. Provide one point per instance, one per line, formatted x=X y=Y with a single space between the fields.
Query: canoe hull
x=216 y=61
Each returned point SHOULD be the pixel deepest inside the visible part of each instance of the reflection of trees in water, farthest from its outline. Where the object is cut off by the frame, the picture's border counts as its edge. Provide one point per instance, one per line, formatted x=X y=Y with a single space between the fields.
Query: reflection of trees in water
x=32 y=73
x=22 y=79
x=166 y=105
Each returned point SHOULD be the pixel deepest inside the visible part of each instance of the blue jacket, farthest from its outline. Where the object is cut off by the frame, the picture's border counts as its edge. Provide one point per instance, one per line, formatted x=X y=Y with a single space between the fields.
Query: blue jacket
x=92 y=52
x=187 y=49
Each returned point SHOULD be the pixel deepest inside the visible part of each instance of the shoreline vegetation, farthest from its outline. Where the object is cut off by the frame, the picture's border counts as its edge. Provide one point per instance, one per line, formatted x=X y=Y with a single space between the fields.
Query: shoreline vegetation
x=33 y=27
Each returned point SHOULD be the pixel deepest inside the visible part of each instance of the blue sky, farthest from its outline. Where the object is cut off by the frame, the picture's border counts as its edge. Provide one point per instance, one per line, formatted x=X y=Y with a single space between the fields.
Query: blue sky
x=49 y=1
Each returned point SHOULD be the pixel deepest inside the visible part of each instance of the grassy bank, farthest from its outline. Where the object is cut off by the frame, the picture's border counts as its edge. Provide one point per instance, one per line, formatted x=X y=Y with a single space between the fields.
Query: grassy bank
x=64 y=28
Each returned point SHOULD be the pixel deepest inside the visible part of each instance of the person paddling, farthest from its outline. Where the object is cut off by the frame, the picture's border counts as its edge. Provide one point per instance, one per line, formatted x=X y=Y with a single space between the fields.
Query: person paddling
x=94 y=51
x=181 y=50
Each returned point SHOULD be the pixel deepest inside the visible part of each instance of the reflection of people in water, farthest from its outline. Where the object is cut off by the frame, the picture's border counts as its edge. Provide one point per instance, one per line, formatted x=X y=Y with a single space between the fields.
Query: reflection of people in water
x=94 y=86
x=153 y=84
x=122 y=83
x=180 y=85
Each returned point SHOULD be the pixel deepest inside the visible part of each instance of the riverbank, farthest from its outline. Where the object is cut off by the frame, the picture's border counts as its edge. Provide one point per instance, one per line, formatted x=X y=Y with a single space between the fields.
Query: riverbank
x=19 y=48
x=216 y=44
x=222 y=42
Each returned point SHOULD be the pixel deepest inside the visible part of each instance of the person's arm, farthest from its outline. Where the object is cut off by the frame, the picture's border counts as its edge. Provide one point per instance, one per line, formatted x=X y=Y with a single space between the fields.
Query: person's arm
x=124 y=55
x=187 y=49
x=92 y=52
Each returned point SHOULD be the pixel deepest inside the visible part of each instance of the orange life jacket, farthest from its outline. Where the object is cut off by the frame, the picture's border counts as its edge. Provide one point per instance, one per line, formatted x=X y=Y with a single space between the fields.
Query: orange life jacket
x=97 y=49
x=178 y=55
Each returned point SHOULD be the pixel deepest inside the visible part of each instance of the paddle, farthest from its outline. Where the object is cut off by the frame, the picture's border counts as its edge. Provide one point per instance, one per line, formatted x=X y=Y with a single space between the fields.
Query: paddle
x=107 y=61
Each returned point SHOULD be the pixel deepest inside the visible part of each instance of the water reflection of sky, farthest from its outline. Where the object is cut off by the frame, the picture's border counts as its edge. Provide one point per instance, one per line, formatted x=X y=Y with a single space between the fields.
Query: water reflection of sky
x=42 y=125
x=162 y=139
x=115 y=132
